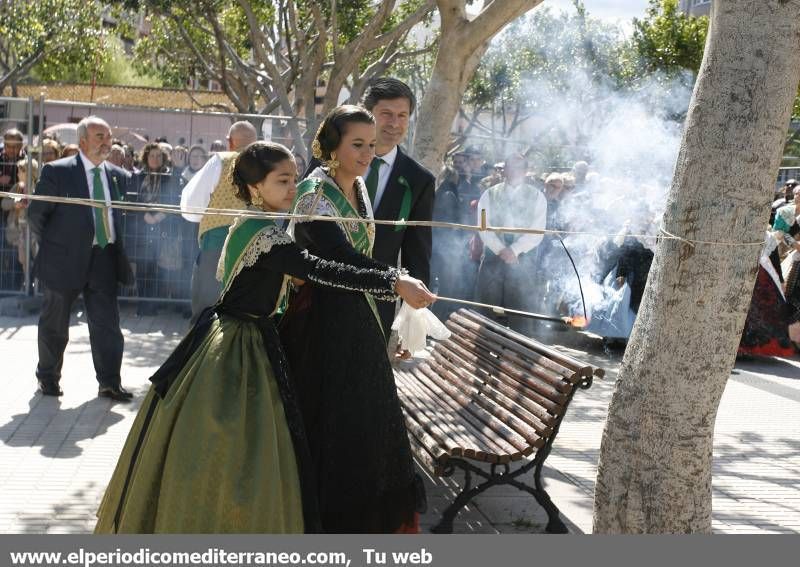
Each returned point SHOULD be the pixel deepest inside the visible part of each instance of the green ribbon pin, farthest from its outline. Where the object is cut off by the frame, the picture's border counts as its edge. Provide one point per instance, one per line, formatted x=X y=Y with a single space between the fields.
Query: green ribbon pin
x=405 y=205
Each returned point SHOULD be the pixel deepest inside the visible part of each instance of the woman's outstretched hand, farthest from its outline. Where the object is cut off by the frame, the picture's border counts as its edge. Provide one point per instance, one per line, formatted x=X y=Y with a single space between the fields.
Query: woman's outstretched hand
x=414 y=292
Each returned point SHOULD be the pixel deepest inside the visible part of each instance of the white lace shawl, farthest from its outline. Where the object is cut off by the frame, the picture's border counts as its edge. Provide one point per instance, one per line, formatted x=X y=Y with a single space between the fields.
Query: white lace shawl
x=262 y=243
x=317 y=204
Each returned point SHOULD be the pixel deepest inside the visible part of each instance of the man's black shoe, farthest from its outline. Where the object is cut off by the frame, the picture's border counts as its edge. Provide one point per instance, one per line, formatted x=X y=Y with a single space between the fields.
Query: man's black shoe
x=50 y=389
x=117 y=393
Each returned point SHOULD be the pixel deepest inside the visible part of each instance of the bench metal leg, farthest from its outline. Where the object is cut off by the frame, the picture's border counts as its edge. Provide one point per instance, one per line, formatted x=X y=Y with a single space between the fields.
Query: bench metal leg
x=554 y=523
x=445 y=525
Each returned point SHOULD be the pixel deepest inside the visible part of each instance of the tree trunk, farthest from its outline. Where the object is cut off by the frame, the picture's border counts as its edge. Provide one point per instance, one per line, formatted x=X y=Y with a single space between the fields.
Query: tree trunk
x=440 y=105
x=654 y=474
x=461 y=44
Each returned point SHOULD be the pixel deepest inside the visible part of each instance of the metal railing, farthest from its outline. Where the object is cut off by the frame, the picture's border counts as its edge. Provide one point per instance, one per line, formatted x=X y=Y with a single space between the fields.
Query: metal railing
x=16 y=243
x=161 y=253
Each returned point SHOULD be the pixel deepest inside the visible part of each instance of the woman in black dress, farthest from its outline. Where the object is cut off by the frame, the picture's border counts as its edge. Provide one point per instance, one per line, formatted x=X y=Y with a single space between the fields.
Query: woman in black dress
x=335 y=346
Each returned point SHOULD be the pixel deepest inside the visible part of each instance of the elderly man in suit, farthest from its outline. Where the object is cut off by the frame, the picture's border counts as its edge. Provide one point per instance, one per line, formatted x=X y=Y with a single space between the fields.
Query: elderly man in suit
x=81 y=252
x=399 y=186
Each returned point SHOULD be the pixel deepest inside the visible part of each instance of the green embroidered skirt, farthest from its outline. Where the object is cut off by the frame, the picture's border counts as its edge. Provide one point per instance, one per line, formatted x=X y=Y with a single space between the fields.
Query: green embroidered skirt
x=217 y=455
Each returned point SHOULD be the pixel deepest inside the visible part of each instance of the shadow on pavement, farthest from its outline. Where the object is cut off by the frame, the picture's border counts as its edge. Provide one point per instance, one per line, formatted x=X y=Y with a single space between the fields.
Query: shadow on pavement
x=55 y=430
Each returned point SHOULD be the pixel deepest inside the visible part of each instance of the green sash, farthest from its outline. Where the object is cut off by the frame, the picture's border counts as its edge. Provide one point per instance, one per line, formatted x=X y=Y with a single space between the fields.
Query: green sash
x=242 y=235
x=319 y=197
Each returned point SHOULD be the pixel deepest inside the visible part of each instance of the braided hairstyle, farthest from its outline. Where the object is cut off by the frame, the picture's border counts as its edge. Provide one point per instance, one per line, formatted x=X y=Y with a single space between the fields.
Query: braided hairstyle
x=254 y=163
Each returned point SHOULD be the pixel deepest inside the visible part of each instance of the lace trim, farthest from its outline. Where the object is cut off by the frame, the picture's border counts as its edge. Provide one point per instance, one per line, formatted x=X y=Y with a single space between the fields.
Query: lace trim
x=306 y=206
x=263 y=242
x=388 y=276
x=317 y=204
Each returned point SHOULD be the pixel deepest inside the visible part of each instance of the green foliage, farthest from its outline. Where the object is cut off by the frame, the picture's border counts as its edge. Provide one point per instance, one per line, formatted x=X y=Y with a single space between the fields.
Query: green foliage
x=211 y=39
x=119 y=68
x=65 y=34
x=669 y=40
x=796 y=110
x=169 y=54
x=544 y=54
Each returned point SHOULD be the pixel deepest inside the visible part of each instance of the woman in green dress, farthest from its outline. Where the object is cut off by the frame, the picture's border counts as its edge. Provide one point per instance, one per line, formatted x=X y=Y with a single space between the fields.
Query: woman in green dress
x=219 y=445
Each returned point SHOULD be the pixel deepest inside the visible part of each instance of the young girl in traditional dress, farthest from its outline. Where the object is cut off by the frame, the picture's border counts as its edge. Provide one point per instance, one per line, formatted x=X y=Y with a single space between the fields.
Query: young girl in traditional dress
x=218 y=445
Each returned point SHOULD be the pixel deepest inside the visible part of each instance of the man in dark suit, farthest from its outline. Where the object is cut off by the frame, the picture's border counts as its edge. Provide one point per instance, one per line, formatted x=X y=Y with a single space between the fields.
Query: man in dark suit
x=81 y=253
x=399 y=187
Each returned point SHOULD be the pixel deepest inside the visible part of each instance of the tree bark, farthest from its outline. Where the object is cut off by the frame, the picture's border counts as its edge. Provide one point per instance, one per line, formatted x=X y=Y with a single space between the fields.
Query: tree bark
x=654 y=474
x=461 y=44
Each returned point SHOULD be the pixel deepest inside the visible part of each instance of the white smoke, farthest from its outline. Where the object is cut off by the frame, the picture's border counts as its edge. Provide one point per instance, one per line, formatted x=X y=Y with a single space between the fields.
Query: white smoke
x=582 y=108
x=631 y=141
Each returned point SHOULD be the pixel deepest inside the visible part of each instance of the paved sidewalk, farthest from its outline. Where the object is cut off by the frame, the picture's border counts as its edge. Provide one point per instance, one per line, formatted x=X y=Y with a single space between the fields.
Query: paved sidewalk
x=56 y=455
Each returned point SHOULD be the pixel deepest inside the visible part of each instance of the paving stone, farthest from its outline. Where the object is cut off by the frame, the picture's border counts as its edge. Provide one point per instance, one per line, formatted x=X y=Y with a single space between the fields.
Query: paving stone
x=57 y=454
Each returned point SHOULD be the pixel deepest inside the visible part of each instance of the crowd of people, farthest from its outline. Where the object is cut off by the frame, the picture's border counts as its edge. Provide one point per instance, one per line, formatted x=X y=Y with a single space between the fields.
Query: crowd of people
x=161 y=247
x=241 y=398
x=285 y=372
x=531 y=271
x=175 y=259
x=772 y=327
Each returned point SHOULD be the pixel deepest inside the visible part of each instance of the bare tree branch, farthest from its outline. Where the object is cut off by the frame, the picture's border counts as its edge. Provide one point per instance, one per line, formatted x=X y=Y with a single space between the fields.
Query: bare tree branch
x=193 y=47
x=214 y=105
x=257 y=38
x=495 y=15
x=19 y=69
x=334 y=29
x=405 y=26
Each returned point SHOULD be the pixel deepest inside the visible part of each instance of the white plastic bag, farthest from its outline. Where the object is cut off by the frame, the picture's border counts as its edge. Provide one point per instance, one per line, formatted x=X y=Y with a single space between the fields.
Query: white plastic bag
x=414 y=325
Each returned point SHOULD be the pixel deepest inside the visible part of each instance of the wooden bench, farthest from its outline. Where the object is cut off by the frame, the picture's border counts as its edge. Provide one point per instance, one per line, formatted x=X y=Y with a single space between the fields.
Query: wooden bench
x=489 y=401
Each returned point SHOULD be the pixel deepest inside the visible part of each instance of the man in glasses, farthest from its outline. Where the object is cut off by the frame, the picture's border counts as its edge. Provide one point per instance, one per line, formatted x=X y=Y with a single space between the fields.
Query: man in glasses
x=11 y=154
x=11 y=275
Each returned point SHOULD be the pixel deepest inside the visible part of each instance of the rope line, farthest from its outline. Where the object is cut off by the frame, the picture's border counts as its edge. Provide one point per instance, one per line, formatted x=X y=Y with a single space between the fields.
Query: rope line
x=177 y=209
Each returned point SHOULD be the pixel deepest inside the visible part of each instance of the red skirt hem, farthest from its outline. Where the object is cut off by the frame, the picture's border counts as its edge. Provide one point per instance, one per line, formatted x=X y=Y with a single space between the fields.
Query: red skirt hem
x=410 y=528
x=772 y=348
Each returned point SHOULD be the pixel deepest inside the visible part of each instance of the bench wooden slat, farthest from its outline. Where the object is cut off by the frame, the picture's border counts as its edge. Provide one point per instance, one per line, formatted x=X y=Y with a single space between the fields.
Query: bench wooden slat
x=491 y=432
x=559 y=384
x=466 y=431
x=428 y=415
x=558 y=376
x=437 y=467
x=516 y=433
x=432 y=446
x=448 y=420
x=525 y=422
x=526 y=435
x=535 y=407
x=529 y=394
x=471 y=427
x=446 y=431
x=552 y=372
x=522 y=445
x=548 y=397
x=557 y=387
x=579 y=367
x=484 y=423
x=495 y=332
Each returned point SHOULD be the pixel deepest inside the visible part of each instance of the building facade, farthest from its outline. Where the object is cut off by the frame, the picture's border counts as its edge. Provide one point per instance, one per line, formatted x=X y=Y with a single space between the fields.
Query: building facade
x=696 y=7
